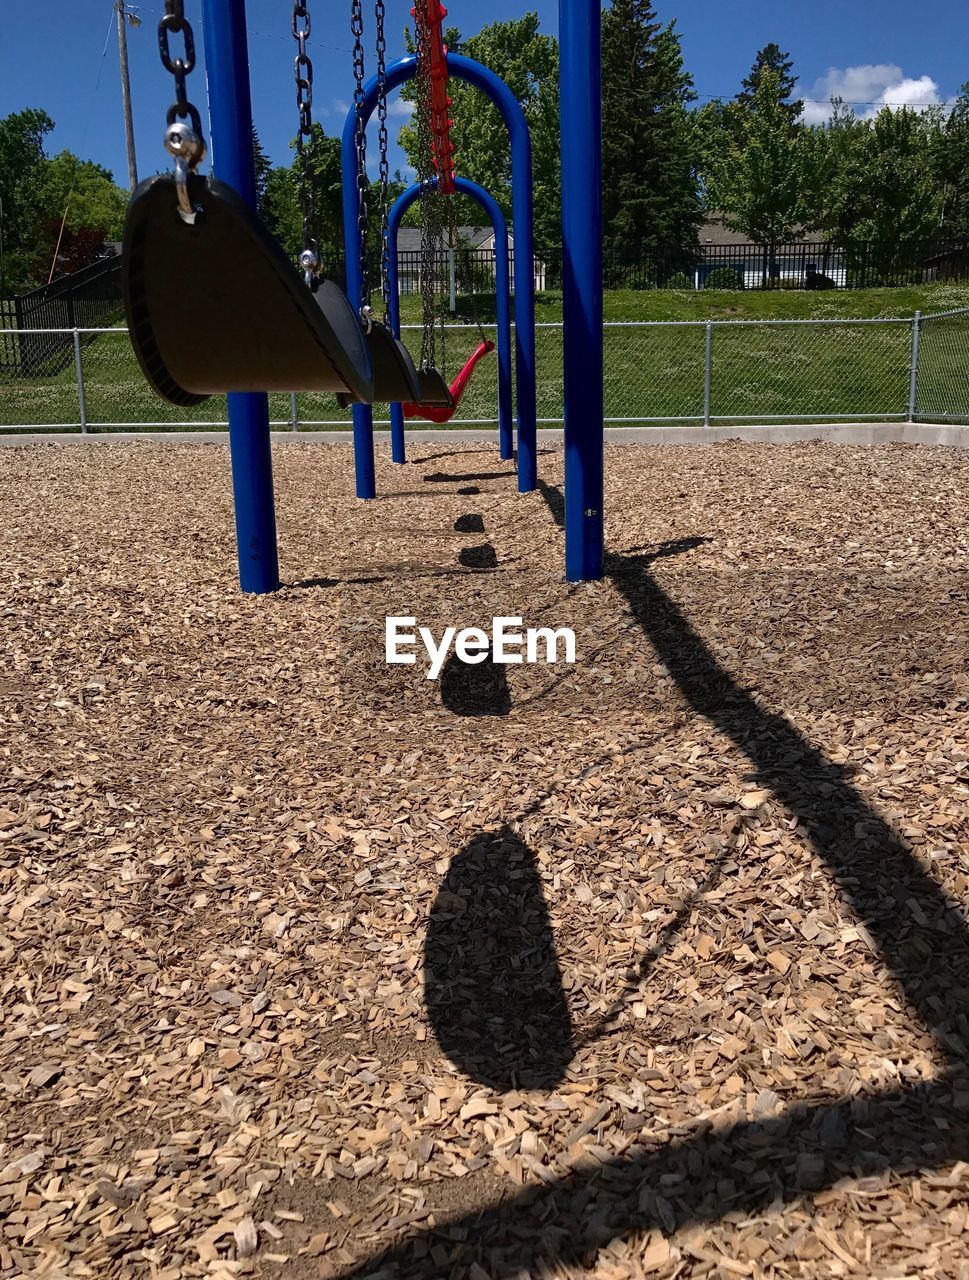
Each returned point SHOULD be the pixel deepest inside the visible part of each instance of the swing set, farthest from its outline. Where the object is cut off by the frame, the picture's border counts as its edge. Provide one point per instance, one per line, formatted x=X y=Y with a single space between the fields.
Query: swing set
x=215 y=306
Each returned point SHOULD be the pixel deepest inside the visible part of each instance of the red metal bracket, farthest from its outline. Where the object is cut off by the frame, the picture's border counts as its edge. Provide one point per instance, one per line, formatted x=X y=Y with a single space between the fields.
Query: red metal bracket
x=432 y=14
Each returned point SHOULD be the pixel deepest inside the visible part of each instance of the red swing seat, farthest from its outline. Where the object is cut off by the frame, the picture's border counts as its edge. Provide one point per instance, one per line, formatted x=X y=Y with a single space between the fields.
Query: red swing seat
x=444 y=413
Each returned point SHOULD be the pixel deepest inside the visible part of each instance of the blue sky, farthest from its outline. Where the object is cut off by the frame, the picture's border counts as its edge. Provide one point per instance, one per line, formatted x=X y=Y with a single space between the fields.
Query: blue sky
x=868 y=50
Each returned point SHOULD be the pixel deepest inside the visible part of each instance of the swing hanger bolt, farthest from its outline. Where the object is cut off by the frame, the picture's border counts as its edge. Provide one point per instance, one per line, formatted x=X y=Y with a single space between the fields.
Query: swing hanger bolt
x=309 y=260
x=187 y=148
x=183 y=143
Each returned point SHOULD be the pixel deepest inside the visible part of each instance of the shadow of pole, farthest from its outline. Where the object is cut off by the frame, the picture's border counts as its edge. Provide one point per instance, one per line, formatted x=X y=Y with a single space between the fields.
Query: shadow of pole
x=920 y=935
x=492 y=983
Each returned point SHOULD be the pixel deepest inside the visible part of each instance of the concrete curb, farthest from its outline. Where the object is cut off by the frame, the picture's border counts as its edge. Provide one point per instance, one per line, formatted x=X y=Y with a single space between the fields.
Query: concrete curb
x=858 y=433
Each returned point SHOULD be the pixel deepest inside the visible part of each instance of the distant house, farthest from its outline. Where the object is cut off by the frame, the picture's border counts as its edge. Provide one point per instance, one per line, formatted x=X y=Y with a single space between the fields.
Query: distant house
x=479 y=240
x=950 y=264
x=724 y=249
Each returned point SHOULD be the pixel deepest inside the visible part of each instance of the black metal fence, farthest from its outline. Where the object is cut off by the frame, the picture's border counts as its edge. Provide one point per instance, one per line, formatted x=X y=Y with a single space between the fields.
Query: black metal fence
x=85 y=299
x=812 y=265
x=91 y=298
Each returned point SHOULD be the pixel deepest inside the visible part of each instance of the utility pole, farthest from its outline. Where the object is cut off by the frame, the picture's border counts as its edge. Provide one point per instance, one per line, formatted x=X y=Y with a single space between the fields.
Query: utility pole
x=3 y=264
x=129 y=126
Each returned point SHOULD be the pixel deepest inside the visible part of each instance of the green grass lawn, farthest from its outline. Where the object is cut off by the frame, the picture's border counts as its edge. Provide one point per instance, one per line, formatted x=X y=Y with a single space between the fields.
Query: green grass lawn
x=650 y=373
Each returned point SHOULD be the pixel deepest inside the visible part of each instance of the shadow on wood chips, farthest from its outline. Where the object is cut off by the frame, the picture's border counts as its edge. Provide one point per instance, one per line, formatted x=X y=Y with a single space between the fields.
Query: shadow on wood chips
x=475 y=689
x=473 y=522
x=919 y=934
x=492 y=983
x=483 y=557
x=443 y=477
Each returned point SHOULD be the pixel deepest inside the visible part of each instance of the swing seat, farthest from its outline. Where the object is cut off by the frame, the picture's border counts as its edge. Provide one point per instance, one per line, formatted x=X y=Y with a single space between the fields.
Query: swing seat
x=394 y=374
x=440 y=412
x=218 y=306
x=435 y=392
x=396 y=379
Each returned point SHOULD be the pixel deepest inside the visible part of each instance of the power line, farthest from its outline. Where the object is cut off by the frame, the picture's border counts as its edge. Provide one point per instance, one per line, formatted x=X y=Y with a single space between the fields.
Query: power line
x=262 y=35
x=826 y=102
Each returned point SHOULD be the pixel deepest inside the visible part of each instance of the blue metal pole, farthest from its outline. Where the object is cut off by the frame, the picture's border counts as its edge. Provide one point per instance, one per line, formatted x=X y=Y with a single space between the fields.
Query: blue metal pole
x=363 y=462
x=398 y=441
x=502 y=307
x=521 y=179
x=580 y=26
x=230 y=123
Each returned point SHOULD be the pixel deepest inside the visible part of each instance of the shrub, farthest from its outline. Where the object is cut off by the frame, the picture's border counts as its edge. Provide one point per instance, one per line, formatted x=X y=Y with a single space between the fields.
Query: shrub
x=680 y=281
x=724 y=278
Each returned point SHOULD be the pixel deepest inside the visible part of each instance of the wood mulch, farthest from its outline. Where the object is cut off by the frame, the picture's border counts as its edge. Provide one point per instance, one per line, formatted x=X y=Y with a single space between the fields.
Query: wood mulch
x=654 y=965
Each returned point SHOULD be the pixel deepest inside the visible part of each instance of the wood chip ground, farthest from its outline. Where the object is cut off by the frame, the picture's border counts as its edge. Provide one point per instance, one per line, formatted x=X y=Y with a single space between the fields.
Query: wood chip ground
x=657 y=965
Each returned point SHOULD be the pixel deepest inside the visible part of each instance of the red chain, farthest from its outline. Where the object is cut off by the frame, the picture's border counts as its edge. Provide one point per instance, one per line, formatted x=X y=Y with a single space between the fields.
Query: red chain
x=432 y=17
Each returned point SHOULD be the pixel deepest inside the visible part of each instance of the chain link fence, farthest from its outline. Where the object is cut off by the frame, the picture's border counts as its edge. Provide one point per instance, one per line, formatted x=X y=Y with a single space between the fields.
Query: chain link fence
x=941 y=378
x=717 y=371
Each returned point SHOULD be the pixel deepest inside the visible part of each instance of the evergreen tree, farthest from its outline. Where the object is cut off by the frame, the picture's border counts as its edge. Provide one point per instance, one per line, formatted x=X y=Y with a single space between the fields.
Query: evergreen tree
x=651 y=199
x=780 y=64
x=263 y=166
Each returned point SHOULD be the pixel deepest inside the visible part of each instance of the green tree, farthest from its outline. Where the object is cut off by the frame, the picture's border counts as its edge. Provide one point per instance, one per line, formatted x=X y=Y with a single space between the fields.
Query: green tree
x=263 y=167
x=831 y=150
x=651 y=198
x=950 y=164
x=87 y=191
x=22 y=162
x=760 y=180
x=280 y=209
x=773 y=60
x=83 y=198
x=527 y=61
x=326 y=177
x=883 y=191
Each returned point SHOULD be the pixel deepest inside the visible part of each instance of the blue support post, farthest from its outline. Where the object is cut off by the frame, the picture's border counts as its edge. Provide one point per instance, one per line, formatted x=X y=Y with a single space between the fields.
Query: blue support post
x=506 y=444
x=230 y=117
x=521 y=180
x=363 y=462
x=580 y=42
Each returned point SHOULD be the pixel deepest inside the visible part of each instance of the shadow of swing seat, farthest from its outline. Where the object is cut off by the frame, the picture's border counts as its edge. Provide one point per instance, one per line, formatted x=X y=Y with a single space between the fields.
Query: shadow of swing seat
x=217 y=306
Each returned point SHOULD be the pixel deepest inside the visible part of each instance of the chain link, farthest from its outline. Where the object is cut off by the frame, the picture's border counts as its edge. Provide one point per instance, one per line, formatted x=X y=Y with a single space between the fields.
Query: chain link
x=302 y=25
x=360 y=138
x=383 y=144
x=431 y=211
x=174 y=22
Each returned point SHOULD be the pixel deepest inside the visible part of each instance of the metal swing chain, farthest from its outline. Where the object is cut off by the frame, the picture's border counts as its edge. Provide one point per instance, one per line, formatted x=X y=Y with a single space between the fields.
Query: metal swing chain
x=425 y=168
x=184 y=142
x=360 y=140
x=465 y=271
x=383 y=143
x=309 y=259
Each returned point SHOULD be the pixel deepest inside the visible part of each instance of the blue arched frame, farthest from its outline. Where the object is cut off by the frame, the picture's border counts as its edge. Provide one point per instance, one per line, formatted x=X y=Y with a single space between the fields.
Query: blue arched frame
x=482 y=78
x=230 y=116
x=502 y=308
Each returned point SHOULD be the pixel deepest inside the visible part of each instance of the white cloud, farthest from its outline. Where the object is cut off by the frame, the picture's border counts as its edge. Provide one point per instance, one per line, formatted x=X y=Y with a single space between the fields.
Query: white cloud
x=401 y=108
x=868 y=89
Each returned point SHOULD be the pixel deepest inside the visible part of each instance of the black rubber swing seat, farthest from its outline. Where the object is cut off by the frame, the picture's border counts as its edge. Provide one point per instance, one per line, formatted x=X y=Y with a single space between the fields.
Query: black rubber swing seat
x=434 y=390
x=394 y=374
x=218 y=306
